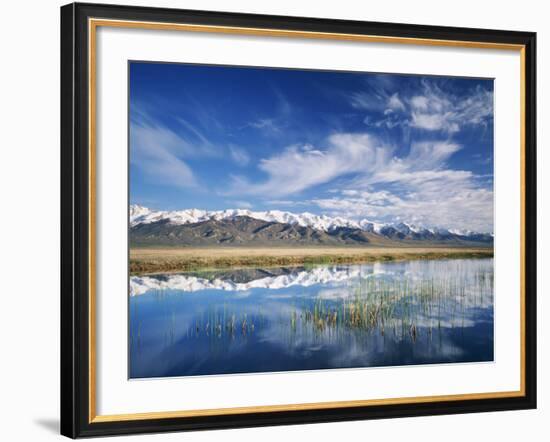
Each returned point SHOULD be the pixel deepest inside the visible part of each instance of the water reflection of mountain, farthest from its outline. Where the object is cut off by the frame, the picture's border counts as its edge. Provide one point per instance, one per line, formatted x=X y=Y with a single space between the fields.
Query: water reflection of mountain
x=243 y=279
x=298 y=318
x=246 y=275
x=463 y=272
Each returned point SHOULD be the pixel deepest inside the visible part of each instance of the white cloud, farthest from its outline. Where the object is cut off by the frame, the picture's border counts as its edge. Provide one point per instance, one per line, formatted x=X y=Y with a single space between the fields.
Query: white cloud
x=268 y=124
x=161 y=153
x=430 y=109
x=376 y=96
x=274 y=125
x=425 y=154
x=239 y=156
x=395 y=103
x=242 y=205
x=433 y=122
x=377 y=185
x=418 y=188
x=424 y=161
x=193 y=130
x=158 y=152
x=283 y=202
x=436 y=110
x=299 y=167
x=419 y=103
x=363 y=100
x=446 y=203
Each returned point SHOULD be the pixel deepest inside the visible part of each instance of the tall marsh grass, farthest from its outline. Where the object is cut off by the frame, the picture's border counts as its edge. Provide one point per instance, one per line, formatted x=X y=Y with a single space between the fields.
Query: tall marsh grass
x=406 y=306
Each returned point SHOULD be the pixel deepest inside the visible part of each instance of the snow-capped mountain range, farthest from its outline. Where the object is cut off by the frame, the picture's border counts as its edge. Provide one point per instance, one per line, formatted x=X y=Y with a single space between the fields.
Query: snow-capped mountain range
x=143 y=215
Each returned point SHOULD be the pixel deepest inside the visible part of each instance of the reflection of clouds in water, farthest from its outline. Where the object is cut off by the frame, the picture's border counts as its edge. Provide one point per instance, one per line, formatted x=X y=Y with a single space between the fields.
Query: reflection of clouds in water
x=282 y=319
x=351 y=348
x=298 y=344
x=243 y=294
x=335 y=293
x=359 y=354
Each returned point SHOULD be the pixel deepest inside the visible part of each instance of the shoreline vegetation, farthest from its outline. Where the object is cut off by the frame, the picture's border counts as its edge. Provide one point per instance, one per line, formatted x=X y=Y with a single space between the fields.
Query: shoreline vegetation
x=166 y=260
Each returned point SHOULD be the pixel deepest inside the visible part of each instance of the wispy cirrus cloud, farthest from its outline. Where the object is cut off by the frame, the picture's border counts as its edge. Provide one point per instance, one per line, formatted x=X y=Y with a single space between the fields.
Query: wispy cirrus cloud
x=162 y=152
x=266 y=124
x=430 y=108
x=299 y=167
x=421 y=185
x=199 y=136
x=239 y=156
x=277 y=122
x=395 y=103
x=158 y=152
x=437 y=110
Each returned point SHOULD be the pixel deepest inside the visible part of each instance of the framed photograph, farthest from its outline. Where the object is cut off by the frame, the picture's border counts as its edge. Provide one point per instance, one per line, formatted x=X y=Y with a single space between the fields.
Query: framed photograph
x=279 y=220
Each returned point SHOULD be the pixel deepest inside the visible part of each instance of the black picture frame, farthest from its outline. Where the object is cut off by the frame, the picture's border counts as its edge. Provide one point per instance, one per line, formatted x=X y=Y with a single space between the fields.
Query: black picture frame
x=75 y=221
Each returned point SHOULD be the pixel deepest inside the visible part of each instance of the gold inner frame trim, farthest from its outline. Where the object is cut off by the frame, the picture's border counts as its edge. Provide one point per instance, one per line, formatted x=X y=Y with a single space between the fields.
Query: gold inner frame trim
x=93 y=24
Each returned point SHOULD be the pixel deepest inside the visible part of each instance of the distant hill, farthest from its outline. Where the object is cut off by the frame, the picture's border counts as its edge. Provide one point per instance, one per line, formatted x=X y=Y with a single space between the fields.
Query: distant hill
x=245 y=228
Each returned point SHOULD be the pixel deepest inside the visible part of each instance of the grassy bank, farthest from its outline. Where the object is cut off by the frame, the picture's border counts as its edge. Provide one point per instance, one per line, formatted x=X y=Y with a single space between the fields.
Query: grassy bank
x=147 y=260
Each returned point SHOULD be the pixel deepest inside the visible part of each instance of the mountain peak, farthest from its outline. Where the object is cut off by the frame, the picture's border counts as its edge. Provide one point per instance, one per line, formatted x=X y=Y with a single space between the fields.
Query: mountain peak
x=143 y=215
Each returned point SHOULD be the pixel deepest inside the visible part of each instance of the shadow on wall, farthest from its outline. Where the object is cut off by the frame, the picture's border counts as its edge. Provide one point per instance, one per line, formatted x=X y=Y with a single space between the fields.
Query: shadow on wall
x=51 y=425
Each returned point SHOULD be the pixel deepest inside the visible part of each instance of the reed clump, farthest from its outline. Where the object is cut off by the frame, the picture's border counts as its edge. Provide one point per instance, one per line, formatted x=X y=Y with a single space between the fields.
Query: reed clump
x=406 y=307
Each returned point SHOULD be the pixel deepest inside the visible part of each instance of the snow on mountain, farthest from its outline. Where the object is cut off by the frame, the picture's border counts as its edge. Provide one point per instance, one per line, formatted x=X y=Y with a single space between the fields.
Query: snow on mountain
x=462 y=232
x=137 y=211
x=143 y=215
x=321 y=275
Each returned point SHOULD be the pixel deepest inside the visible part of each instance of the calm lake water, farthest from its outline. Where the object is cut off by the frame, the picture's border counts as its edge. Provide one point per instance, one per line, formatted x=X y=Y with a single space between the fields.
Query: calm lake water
x=321 y=317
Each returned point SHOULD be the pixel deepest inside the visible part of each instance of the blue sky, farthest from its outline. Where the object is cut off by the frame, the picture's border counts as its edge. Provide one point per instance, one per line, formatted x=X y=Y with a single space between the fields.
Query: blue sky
x=384 y=147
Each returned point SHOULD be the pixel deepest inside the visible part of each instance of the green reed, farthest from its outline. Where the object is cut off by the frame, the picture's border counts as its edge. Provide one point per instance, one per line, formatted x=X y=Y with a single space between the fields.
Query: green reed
x=407 y=306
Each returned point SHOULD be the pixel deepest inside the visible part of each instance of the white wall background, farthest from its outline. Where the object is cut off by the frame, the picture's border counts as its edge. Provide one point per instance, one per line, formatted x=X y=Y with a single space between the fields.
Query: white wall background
x=29 y=219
